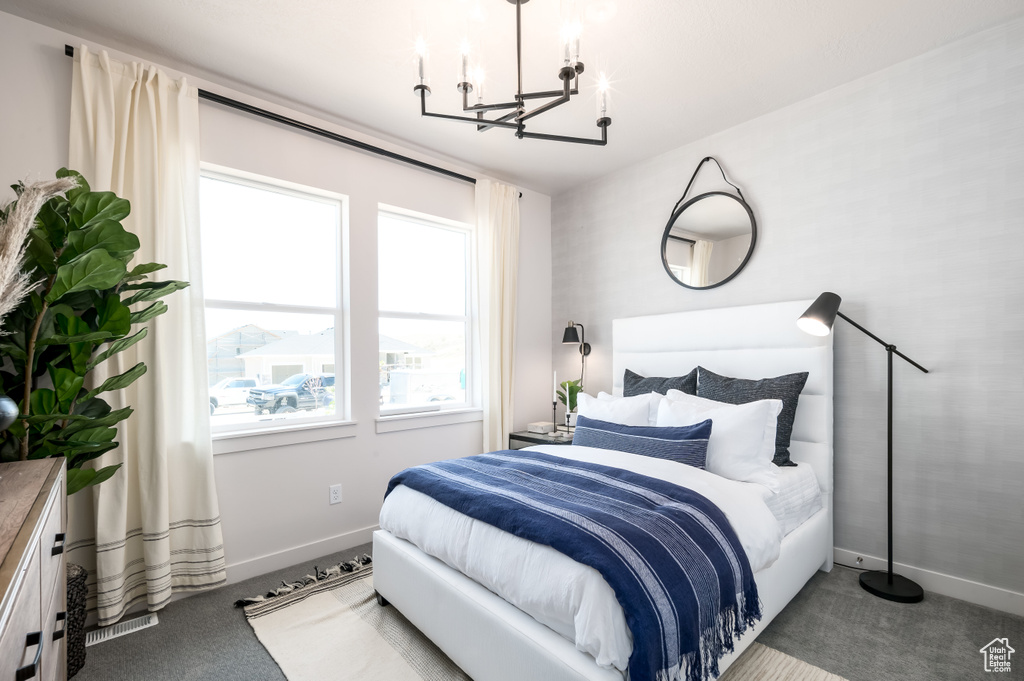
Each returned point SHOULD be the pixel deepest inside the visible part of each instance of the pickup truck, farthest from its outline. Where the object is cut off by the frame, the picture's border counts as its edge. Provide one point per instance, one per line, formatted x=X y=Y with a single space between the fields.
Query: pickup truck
x=298 y=392
x=230 y=392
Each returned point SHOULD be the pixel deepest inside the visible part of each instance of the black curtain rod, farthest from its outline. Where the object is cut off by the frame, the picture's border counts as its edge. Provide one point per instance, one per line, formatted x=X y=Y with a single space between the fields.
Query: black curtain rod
x=291 y=122
x=680 y=238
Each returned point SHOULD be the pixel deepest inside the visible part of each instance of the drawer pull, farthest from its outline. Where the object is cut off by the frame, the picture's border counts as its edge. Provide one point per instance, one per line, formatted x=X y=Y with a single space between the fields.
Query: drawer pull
x=62 y=620
x=29 y=670
x=58 y=544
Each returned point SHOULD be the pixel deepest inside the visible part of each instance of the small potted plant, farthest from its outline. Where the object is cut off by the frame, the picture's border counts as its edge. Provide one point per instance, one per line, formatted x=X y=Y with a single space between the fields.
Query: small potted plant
x=567 y=396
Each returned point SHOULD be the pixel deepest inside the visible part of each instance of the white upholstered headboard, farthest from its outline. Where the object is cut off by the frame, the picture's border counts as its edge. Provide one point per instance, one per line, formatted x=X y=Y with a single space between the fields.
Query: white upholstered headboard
x=755 y=341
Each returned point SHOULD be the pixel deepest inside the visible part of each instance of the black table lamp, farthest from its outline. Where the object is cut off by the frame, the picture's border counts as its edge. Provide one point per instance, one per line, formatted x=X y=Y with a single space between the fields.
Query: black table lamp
x=817 y=321
x=573 y=337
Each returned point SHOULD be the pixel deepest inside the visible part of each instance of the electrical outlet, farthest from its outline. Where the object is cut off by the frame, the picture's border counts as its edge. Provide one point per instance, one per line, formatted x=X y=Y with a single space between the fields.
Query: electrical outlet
x=336 y=494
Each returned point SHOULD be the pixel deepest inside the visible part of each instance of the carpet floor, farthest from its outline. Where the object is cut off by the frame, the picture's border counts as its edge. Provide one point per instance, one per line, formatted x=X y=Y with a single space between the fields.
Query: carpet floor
x=832 y=624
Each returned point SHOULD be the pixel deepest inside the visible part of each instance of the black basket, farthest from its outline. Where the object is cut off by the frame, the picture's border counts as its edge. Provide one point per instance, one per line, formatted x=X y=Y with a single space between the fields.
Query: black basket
x=77 y=594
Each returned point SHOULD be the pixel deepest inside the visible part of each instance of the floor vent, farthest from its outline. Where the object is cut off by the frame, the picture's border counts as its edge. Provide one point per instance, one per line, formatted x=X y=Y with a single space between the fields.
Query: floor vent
x=120 y=629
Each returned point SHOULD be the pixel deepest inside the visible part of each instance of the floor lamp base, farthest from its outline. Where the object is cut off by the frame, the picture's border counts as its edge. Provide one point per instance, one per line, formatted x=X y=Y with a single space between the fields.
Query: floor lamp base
x=902 y=590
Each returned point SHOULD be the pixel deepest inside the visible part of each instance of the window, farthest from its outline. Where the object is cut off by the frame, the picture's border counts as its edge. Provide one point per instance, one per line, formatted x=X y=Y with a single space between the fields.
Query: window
x=425 y=324
x=272 y=257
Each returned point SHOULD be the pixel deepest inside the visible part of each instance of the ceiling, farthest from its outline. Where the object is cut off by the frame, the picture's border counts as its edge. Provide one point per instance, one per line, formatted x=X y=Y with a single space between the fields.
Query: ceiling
x=680 y=70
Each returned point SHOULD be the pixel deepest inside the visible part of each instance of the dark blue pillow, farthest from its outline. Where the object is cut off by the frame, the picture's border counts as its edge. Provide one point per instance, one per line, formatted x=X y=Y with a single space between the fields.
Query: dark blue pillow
x=682 y=444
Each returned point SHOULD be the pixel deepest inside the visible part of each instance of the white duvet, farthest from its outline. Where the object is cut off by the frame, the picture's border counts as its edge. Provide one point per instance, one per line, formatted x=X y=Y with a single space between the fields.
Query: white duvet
x=569 y=597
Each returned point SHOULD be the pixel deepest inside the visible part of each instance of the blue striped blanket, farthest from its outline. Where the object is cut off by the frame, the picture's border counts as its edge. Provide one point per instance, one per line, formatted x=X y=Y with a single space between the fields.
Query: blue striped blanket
x=670 y=555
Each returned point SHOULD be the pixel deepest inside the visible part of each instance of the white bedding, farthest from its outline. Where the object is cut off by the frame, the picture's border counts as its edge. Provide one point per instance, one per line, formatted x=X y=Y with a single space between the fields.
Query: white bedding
x=798 y=498
x=568 y=597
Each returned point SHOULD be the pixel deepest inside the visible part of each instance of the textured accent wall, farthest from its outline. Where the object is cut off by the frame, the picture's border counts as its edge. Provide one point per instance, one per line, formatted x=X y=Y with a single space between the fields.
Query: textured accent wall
x=903 y=192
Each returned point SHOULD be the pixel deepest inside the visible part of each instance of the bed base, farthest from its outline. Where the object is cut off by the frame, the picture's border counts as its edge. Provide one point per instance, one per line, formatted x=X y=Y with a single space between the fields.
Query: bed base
x=491 y=640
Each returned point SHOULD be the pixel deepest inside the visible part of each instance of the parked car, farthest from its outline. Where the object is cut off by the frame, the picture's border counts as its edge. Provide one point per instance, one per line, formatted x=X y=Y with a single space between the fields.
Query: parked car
x=298 y=392
x=230 y=392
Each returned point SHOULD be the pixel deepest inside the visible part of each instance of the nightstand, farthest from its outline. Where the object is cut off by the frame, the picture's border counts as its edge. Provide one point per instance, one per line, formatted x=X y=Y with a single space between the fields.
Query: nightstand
x=526 y=439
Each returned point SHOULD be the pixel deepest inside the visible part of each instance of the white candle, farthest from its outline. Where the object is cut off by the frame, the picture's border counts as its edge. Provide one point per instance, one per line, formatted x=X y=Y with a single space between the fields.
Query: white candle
x=554 y=391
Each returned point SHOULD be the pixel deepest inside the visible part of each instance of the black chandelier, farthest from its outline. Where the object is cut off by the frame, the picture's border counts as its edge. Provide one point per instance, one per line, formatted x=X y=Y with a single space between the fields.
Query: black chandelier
x=516 y=119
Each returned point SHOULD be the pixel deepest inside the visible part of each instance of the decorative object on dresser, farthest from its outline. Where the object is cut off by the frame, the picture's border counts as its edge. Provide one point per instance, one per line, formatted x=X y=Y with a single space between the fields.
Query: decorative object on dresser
x=32 y=568
x=709 y=238
x=471 y=79
x=817 y=321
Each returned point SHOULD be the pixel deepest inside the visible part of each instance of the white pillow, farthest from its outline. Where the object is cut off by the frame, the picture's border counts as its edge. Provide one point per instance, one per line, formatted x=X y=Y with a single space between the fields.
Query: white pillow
x=742 y=442
x=654 y=398
x=626 y=411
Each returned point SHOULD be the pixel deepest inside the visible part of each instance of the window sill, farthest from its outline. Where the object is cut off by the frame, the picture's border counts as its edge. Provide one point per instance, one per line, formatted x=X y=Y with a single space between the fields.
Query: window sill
x=244 y=441
x=397 y=422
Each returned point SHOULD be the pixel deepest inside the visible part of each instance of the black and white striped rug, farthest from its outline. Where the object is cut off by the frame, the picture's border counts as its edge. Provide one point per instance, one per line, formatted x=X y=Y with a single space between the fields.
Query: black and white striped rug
x=329 y=626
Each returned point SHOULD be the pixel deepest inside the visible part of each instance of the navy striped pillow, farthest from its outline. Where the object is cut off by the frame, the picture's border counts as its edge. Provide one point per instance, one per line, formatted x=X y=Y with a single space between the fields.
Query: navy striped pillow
x=683 y=444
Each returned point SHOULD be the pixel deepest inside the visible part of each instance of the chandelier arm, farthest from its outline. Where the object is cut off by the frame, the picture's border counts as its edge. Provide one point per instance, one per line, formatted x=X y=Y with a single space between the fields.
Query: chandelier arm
x=486 y=124
x=491 y=107
x=548 y=93
x=463 y=119
x=480 y=122
x=526 y=115
x=512 y=105
x=575 y=140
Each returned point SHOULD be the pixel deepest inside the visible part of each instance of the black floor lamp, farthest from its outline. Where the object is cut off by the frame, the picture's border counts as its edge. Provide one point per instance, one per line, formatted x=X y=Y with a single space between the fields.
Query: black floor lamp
x=817 y=321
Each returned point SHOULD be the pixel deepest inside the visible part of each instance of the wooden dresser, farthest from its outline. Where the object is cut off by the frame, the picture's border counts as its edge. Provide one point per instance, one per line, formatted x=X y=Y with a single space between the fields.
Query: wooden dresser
x=33 y=521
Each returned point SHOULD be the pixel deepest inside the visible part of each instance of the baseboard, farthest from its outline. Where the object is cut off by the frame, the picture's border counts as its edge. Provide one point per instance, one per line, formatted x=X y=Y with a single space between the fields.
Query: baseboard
x=946 y=585
x=245 y=569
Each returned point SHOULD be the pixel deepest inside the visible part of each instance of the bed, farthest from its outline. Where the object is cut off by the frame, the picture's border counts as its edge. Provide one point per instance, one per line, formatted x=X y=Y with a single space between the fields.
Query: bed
x=494 y=641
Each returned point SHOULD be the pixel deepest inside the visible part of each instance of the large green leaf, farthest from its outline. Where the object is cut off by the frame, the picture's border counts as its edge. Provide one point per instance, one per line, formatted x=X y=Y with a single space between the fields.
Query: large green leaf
x=120 y=381
x=80 y=341
x=93 y=270
x=83 y=185
x=80 y=478
x=43 y=401
x=140 y=271
x=94 y=207
x=66 y=384
x=91 y=337
x=40 y=252
x=94 y=407
x=116 y=347
x=114 y=317
x=13 y=351
x=145 y=314
x=92 y=452
x=53 y=224
x=159 y=289
x=106 y=234
x=77 y=423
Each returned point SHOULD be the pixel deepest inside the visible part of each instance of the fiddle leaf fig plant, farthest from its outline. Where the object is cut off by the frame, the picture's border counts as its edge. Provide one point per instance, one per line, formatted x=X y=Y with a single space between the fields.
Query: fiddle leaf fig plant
x=86 y=306
x=570 y=389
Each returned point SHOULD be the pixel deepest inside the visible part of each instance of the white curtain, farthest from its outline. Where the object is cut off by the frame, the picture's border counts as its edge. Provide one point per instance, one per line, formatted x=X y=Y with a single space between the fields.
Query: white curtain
x=154 y=528
x=497 y=207
x=701 y=262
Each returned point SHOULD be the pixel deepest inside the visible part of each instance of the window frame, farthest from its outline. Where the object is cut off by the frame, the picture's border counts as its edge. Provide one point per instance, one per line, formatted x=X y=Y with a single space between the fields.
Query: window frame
x=317 y=425
x=469 y=319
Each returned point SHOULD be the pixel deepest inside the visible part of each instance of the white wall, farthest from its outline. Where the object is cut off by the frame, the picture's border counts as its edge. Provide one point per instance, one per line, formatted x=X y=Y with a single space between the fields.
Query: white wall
x=902 y=192
x=274 y=500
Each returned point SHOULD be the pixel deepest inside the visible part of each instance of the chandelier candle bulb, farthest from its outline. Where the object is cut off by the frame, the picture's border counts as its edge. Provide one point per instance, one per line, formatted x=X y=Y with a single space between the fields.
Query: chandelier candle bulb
x=421 y=58
x=602 y=97
x=464 y=72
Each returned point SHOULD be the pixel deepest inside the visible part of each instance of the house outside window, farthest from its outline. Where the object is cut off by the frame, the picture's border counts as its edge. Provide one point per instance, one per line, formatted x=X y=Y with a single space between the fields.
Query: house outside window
x=272 y=274
x=425 y=313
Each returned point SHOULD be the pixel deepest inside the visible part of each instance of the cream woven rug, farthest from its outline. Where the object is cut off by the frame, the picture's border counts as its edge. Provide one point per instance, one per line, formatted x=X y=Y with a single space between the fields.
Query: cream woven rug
x=330 y=627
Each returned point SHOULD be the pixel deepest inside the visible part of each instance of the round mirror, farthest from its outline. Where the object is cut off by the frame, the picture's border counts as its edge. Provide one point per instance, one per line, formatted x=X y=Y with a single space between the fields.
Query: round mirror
x=708 y=240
